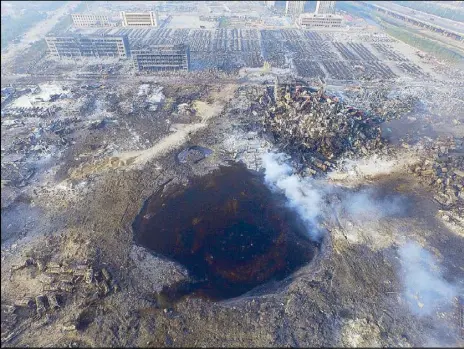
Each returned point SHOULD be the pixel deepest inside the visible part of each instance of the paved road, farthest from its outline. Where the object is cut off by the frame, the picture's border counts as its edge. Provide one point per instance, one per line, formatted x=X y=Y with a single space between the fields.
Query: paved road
x=421 y=16
x=36 y=79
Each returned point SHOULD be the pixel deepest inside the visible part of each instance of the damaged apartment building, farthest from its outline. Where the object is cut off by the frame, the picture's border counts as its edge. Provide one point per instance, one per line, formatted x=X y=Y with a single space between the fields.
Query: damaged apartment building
x=88 y=46
x=150 y=58
x=86 y=20
x=162 y=57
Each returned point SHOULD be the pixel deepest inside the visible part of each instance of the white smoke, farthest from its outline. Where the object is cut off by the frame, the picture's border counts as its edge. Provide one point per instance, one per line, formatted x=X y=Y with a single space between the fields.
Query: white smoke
x=302 y=194
x=371 y=167
x=426 y=290
x=363 y=205
x=306 y=196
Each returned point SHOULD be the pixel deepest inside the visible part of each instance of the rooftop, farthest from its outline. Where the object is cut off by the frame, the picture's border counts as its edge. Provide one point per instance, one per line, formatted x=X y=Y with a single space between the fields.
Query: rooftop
x=317 y=15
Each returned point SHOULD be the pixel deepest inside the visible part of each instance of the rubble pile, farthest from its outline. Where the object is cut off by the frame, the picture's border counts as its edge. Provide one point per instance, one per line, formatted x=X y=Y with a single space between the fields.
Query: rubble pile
x=443 y=168
x=49 y=133
x=185 y=109
x=59 y=281
x=307 y=120
x=382 y=102
x=32 y=146
x=65 y=277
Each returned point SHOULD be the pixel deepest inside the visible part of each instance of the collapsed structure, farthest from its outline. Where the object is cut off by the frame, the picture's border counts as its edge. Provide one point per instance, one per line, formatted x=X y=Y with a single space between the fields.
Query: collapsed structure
x=312 y=124
x=444 y=171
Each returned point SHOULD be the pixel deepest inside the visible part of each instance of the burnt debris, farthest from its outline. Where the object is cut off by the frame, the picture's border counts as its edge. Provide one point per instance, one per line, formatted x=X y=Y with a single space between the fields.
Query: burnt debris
x=317 y=127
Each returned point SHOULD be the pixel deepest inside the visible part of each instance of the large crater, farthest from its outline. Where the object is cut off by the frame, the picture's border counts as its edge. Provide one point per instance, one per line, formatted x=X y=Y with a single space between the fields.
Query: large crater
x=228 y=229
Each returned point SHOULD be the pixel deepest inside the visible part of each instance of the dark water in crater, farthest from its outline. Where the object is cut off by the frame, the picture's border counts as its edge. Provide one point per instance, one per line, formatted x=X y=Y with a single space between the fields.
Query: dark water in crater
x=228 y=229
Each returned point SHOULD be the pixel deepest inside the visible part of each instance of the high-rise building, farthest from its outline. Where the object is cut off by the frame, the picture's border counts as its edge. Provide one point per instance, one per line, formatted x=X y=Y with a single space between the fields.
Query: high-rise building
x=162 y=57
x=139 y=19
x=294 y=8
x=88 y=46
x=325 y=7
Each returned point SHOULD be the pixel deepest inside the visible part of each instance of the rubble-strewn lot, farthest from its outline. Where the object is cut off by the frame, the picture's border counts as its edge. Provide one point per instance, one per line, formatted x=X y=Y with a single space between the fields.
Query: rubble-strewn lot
x=367 y=153
x=442 y=168
x=83 y=282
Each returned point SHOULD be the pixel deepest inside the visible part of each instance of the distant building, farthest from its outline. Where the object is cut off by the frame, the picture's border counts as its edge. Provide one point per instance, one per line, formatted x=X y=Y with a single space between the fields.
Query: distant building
x=325 y=7
x=88 y=46
x=139 y=19
x=90 y=20
x=270 y=3
x=313 y=20
x=162 y=57
x=294 y=8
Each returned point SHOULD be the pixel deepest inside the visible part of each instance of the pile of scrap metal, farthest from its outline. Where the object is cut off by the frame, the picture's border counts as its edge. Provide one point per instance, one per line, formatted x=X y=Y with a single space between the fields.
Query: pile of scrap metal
x=382 y=102
x=319 y=128
x=443 y=168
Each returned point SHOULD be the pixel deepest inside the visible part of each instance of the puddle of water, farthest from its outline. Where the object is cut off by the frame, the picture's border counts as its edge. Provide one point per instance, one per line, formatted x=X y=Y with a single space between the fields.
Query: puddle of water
x=228 y=229
x=193 y=154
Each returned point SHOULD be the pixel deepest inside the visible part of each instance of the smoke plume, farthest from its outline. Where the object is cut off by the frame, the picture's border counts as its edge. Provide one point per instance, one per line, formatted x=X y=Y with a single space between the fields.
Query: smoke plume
x=306 y=196
x=364 y=205
x=301 y=193
x=365 y=209
x=426 y=290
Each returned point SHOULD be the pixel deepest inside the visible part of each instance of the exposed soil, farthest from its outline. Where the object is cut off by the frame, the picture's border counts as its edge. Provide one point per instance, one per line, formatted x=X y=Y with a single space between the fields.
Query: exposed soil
x=286 y=291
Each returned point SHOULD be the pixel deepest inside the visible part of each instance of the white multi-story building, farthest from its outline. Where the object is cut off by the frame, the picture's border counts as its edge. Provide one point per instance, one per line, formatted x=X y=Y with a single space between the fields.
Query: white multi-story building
x=139 y=19
x=294 y=8
x=90 y=20
x=162 y=57
x=88 y=46
x=325 y=7
x=314 y=20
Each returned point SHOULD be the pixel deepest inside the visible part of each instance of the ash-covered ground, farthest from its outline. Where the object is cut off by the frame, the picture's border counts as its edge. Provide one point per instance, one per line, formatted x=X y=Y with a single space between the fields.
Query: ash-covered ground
x=375 y=200
x=295 y=188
